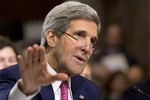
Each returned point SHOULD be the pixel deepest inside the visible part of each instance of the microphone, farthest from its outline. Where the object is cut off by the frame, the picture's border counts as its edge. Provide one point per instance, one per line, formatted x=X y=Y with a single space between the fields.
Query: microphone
x=136 y=90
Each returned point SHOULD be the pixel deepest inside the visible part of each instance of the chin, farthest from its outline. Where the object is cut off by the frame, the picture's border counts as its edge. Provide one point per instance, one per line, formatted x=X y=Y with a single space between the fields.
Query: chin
x=75 y=72
x=75 y=69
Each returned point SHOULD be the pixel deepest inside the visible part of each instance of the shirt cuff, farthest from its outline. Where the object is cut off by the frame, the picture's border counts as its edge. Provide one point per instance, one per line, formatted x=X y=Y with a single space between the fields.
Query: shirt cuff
x=16 y=93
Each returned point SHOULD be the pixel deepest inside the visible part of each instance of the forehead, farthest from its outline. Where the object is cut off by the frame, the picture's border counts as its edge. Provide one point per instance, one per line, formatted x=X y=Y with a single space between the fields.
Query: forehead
x=7 y=51
x=89 y=27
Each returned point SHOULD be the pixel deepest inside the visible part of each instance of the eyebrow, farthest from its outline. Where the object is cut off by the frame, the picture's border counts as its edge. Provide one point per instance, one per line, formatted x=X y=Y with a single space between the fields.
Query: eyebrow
x=84 y=32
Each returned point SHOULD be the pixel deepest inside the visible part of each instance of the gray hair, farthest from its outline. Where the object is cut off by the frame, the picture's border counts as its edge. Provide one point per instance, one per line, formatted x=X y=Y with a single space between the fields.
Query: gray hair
x=60 y=16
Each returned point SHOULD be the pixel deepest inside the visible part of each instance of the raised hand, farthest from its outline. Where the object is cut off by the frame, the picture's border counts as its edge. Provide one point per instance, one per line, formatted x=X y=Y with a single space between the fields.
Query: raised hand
x=33 y=70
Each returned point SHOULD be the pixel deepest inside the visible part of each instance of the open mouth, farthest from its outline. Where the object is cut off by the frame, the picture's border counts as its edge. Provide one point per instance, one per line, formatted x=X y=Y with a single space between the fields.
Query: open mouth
x=81 y=59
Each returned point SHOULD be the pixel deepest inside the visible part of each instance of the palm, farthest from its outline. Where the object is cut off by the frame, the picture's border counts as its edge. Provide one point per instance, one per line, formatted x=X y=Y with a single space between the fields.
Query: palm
x=33 y=70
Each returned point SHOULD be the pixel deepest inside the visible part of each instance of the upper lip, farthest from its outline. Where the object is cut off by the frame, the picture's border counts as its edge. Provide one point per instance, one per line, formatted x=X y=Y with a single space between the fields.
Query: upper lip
x=82 y=58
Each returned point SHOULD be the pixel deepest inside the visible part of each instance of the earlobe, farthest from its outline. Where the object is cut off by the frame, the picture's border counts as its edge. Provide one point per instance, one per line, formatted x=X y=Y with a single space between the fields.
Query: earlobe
x=50 y=37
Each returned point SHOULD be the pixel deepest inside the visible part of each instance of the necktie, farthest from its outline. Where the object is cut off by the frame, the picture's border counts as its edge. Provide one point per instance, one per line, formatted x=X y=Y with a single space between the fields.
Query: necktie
x=64 y=90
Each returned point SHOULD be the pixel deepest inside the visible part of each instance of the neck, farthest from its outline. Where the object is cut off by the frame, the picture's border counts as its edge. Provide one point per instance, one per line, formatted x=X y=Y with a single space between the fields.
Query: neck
x=53 y=62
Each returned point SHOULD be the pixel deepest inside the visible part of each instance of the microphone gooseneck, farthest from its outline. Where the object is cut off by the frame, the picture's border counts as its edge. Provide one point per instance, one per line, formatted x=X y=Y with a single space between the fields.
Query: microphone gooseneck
x=136 y=90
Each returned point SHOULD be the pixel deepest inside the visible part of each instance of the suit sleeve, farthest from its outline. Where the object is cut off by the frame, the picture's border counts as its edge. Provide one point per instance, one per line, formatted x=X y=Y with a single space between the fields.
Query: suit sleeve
x=16 y=94
x=9 y=90
x=8 y=78
x=6 y=83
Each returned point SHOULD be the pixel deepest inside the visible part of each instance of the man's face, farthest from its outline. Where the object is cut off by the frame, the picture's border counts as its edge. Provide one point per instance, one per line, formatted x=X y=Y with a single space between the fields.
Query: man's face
x=114 y=35
x=72 y=54
x=7 y=57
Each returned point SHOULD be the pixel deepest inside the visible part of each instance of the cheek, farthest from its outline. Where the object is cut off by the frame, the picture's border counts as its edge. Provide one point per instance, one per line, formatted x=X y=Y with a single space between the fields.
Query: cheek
x=14 y=62
x=64 y=48
x=1 y=64
x=63 y=51
x=62 y=44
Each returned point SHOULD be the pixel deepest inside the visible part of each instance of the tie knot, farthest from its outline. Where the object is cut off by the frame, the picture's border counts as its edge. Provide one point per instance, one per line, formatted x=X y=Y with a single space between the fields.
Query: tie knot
x=64 y=85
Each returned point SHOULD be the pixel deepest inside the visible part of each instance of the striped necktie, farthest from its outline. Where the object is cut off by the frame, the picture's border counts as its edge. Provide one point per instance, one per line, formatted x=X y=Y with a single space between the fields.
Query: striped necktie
x=64 y=90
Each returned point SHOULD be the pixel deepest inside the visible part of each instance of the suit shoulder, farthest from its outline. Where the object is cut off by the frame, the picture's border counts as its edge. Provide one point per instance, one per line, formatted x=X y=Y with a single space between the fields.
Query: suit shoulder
x=82 y=80
x=80 y=83
x=12 y=71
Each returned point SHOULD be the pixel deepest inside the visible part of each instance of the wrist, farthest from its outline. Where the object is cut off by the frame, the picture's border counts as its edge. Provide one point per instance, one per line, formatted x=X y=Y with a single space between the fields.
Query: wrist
x=27 y=89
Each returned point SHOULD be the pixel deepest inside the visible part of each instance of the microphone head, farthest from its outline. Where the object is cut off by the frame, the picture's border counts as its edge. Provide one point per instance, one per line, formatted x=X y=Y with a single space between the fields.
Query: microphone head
x=135 y=90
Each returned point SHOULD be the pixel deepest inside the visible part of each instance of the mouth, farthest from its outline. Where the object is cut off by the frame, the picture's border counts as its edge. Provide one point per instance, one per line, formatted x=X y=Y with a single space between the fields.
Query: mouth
x=81 y=58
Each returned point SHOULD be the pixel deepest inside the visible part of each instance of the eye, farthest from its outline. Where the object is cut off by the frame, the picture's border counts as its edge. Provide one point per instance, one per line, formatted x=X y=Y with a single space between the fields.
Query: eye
x=13 y=59
x=80 y=35
x=1 y=59
x=94 y=41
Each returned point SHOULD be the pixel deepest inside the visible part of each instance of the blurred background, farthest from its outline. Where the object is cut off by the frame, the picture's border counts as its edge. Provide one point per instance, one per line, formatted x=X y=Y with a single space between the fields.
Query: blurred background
x=22 y=19
x=124 y=39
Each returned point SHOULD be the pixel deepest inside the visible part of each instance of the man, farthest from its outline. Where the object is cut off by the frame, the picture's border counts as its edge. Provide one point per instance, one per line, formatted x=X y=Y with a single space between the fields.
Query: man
x=69 y=34
x=8 y=53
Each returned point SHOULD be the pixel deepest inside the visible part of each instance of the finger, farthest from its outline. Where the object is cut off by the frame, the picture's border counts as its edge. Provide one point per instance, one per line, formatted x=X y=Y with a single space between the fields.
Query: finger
x=42 y=54
x=29 y=58
x=35 y=53
x=21 y=62
x=59 y=76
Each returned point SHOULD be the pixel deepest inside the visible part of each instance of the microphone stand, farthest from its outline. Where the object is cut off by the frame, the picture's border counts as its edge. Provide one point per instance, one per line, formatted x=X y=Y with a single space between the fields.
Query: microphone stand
x=136 y=90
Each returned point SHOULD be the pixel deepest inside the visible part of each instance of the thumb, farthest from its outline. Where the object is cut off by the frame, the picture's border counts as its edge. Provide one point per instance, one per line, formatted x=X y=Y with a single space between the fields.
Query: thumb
x=60 y=76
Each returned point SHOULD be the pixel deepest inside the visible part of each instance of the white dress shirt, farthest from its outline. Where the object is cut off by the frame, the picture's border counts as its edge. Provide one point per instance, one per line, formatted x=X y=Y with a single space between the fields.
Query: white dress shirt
x=16 y=94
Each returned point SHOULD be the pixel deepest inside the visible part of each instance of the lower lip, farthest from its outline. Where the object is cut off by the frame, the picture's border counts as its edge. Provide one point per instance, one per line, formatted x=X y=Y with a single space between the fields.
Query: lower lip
x=79 y=61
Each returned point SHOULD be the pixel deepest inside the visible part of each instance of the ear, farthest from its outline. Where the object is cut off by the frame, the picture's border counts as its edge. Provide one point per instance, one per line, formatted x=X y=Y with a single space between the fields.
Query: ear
x=51 y=38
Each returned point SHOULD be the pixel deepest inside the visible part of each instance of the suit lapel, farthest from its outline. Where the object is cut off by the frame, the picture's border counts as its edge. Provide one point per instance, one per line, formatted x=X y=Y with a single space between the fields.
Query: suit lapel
x=47 y=93
x=78 y=90
x=77 y=87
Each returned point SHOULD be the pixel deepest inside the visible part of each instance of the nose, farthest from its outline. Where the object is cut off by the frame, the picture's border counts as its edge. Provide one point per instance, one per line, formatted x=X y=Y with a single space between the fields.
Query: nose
x=87 y=46
x=6 y=63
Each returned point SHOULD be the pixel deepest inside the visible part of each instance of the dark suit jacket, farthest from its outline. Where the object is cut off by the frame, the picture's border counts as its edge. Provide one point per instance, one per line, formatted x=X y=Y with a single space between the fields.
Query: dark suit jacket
x=80 y=86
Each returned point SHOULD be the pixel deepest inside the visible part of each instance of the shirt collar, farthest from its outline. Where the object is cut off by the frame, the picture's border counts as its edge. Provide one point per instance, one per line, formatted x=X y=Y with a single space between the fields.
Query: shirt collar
x=56 y=84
